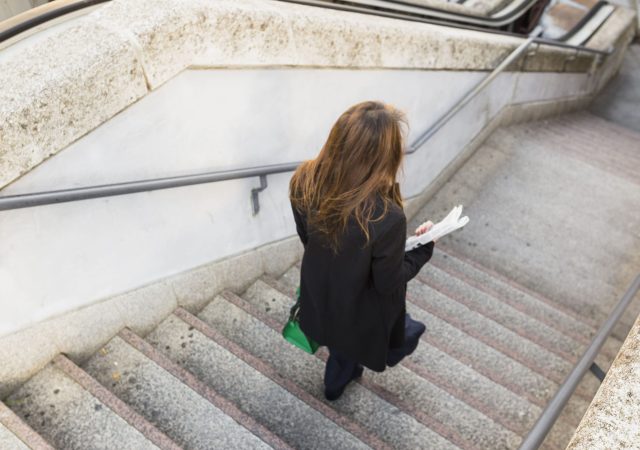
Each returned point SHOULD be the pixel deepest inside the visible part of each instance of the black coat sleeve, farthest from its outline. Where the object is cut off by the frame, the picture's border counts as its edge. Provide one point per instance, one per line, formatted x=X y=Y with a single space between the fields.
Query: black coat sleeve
x=391 y=267
x=301 y=225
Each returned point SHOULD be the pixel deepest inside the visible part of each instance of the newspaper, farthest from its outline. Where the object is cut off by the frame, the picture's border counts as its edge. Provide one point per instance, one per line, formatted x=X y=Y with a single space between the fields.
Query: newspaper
x=452 y=222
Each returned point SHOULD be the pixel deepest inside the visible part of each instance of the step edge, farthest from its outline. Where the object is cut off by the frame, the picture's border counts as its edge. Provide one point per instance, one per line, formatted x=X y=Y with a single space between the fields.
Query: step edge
x=448 y=387
x=502 y=298
x=114 y=403
x=538 y=340
x=22 y=430
x=269 y=371
x=206 y=392
x=554 y=378
x=442 y=429
x=516 y=285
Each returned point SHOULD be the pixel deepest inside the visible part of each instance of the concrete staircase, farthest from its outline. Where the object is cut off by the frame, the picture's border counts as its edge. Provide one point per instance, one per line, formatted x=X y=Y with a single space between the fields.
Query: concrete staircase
x=494 y=352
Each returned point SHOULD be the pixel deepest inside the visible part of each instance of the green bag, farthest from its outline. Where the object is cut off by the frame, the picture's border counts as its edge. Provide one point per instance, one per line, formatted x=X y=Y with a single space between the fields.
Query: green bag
x=294 y=334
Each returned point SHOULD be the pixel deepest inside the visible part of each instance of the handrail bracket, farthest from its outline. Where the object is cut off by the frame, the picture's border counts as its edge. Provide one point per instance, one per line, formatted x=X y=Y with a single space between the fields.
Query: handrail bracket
x=255 y=195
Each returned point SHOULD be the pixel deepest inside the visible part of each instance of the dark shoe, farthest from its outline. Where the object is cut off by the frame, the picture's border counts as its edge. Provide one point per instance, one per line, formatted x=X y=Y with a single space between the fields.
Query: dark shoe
x=414 y=330
x=336 y=394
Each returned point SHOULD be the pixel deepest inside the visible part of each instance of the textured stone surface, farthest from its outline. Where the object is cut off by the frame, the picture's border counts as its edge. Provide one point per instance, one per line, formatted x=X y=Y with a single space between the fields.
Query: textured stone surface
x=20 y=362
x=478 y=326
x=524 y=301
x=252 y=392
x=502 y=313
x=55 y=91
x=195 y=287
x=613 y=417
x=527 y=180
x=142 y=309
x=421 y=394
x=9 y=441
x=546 y=312
x=69 y=417
x=255 y=32
x=397 y=428
x=619 y=100
x=190 y=420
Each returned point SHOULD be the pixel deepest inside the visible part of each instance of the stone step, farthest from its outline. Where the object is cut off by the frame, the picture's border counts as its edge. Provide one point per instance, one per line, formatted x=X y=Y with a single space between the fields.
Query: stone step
x=69 y=417
x=506 y=290
x=509 y=292
x=9 y=441
x=189 y=419
x=217 y=362
x=233 y=316
x=620 y=162
x=290 y=280
x=497 y=311
x=491 y=363
x=202 y=388
x=504 y=406
x=528 y=353
x=410 y=387
x=598 y=130
x=463 y=351
x=15 y=434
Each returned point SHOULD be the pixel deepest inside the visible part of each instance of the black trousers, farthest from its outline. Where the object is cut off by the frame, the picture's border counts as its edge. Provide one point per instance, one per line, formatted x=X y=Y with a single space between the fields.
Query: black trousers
x=340 y=370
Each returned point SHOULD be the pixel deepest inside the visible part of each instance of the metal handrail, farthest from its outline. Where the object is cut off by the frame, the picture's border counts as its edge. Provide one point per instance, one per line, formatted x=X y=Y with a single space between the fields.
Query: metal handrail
x=512 y=58
x=548 y=417
x=583 y=20
x=131 y=187
x=41 y=14
x=408 y=7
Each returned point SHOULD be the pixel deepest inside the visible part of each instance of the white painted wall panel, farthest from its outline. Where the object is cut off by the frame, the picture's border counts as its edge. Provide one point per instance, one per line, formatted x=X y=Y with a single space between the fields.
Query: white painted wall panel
x=57 y=258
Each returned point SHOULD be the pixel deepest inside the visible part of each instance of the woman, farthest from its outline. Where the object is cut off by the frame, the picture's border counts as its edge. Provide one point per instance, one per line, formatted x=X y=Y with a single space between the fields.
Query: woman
x=348 y=212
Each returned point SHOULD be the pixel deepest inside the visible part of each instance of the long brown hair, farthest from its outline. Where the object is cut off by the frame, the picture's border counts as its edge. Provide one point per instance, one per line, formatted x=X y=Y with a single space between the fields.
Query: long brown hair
x=358 y=162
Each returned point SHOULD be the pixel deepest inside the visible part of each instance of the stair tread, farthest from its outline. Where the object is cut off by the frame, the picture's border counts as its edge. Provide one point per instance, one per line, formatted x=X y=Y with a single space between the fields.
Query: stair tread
x=493 y=364
x=15 y=428
x=551 y=314
x=471 y=424
x=252 y=392
x=528 y=353
x=189 y=419
x=378 y=416
x=69 y=417
x=9 y=441
x=546 y=312
x=488 y=306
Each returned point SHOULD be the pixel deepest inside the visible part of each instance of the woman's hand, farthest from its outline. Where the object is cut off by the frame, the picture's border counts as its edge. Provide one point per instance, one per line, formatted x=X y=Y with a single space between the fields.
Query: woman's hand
x=422 y=229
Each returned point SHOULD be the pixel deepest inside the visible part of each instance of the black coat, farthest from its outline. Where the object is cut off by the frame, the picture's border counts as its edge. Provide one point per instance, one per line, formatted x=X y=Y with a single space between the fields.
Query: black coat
x=354 y=301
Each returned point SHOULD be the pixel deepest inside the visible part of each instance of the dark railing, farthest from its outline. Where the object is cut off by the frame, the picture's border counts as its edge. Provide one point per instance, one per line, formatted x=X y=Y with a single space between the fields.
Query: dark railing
x=42 y=14
x=548 y=417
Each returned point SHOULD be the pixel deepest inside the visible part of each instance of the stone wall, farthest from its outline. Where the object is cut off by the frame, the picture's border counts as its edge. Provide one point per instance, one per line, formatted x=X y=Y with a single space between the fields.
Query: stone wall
x=55 y=90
